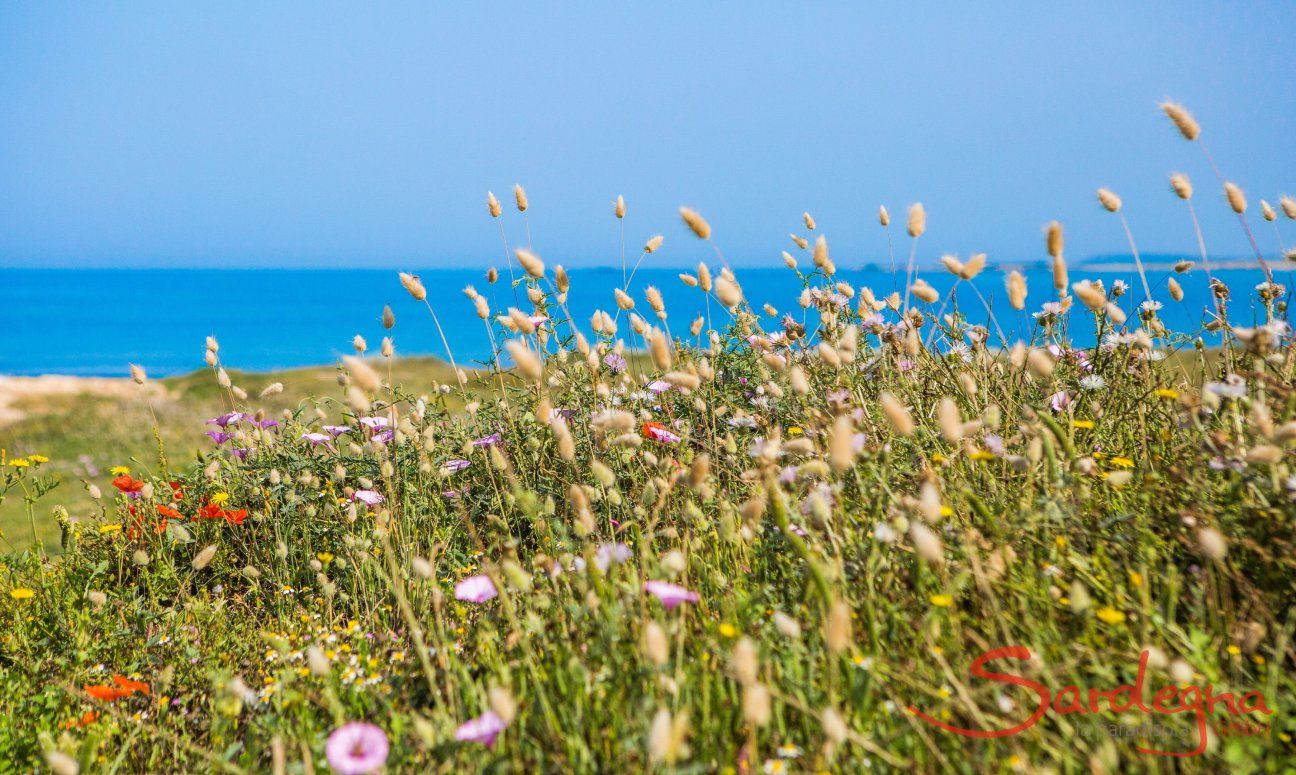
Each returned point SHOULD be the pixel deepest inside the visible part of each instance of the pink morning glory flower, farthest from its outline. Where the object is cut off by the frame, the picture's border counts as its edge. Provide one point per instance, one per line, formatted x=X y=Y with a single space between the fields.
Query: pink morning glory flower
x=483 y=729
x=488 y=441
x=368 y=497
x=317 y=438
x=1059 y=400
x=670 y=594
x=225 y=420
x=356 y=748
x=475 y=589
x=337 y=430
x=659 y=386
x=375 y=422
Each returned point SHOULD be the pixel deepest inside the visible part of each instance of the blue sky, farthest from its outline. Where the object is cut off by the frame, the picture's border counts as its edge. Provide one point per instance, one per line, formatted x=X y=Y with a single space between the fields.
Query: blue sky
x=182 y=134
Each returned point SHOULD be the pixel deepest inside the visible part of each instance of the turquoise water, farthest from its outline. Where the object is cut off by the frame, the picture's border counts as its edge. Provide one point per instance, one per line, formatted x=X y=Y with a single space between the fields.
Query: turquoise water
x=96 y=321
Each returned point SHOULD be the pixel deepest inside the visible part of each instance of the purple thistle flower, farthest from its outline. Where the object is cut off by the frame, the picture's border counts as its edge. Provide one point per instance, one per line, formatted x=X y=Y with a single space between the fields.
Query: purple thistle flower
x=356 y=748
x=367 y=497
x=475 y=589
x=483 y=729
x=670 y=594
x=615 y=362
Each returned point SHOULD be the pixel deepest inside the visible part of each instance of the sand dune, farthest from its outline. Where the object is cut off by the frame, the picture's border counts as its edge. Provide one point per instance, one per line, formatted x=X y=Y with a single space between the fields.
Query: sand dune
x=16 y=390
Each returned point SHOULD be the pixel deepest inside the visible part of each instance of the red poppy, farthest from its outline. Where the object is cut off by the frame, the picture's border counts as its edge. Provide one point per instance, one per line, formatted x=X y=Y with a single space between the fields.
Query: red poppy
x=212 y=511
x=106 y=693
x=236 y=517
x=167 y=511
x=126 y=484
x=176 y=492
x=130 y=686
x=88 y=718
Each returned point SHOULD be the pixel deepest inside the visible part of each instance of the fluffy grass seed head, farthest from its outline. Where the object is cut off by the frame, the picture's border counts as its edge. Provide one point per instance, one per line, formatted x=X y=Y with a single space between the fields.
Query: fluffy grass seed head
x=1108 y=199
x=519 y=196
x=493 y=205
x=1236 y=199
x=1183 y=120
x=412 y=285
x=1288 y=206
x=696 y=223
x=619 y=209
x=1016 y=286
x=896 y=413
x=1181 y=185
x=917 y=220
x=527 y=361
x=530 y=262
x=884 y=217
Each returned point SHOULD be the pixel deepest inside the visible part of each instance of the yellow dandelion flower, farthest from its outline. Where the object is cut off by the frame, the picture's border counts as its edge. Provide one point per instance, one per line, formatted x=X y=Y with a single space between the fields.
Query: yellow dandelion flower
x=941 y=601
x=1233 y=650
x=1060 y=541
x=1166 y=393
x=219 y=498
x=119 y=470
x=19 y=462
x=1123 y=462
x=324 y=557
x=21 y=593
x=1258 y=659
x=728 y=630
x=938 y=458
x=980 y=454
x=946 y=511
x=943 y=693
x=1136 y=578
x=111 y=527
x=795 y=430
x=38 y=458
x=1084 y=424
x=1110 y=615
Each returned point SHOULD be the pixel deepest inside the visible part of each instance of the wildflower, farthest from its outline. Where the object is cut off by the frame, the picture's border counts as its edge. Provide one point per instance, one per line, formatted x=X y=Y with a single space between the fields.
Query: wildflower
x=615 y=362
x=609 y=554
x=941 y=601
x=368 y=497
x=658 y=432
x=1082 y=424
x=483 y=729
x=1123 y=462
x=1059 y=400
x=659 y=386
x=1166 y=393
x=225 y=420
x=670 y=594
x=488 y=441
x=789 y=751
x=1110 y=615
x=454 y=466
x=318 y=438
x=126 y=484
x=19 y=462
x=356 y=748
x=476 y=589
x=112 y=527
x=1093 y=382
x=119 y=470
x=374 y=423
x=21 y=593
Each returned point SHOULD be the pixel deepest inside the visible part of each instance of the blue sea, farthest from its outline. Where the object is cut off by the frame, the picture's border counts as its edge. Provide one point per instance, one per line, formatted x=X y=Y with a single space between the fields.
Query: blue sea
x=94 y=322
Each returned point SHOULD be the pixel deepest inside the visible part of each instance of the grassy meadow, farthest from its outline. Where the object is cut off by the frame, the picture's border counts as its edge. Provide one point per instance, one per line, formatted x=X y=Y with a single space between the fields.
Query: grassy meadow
x=760 y=541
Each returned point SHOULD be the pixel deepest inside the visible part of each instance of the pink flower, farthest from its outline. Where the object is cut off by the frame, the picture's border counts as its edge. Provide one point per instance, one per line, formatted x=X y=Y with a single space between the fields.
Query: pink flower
x=356 y=748
x=375 y=423
x=475 y=589
x=483 y=729
x=670 y=594
x=1059 y=400
x=368 y=497
x=659 y=386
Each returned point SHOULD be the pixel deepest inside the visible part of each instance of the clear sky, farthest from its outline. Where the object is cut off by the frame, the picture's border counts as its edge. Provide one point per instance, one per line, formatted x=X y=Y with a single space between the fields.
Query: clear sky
x=234 y=134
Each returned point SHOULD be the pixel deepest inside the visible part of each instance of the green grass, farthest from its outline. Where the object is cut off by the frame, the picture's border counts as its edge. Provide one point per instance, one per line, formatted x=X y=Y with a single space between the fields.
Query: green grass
x=88 y=432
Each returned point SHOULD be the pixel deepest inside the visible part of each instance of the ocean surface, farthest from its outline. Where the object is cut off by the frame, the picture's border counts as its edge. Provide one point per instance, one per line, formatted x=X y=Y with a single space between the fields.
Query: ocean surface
x=94 y=322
